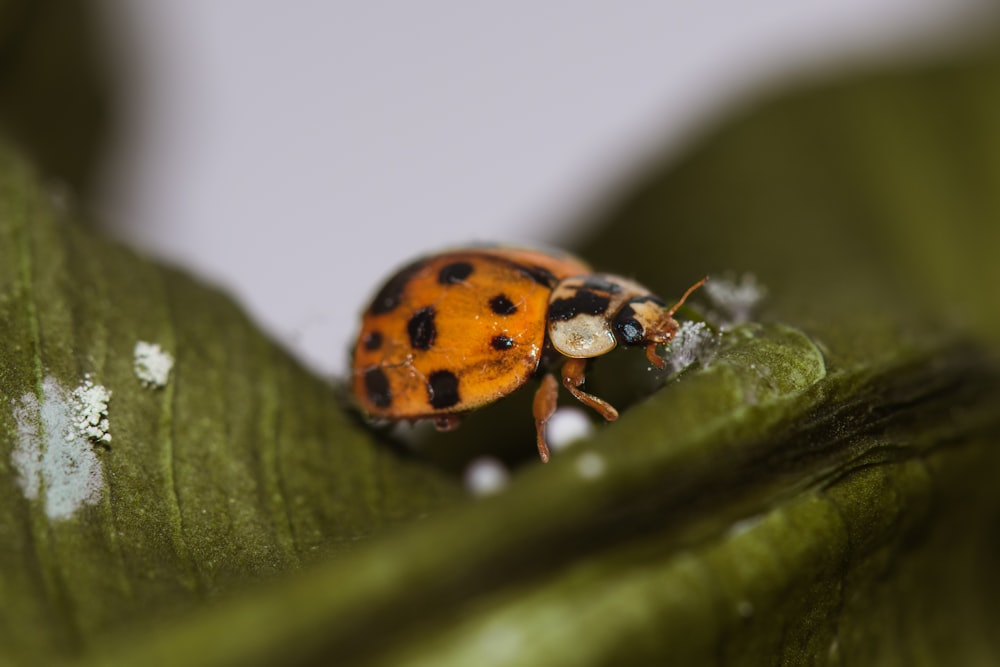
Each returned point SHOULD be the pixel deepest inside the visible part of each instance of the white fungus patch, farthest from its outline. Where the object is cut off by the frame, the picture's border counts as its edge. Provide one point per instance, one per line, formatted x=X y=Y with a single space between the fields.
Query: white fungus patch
x=566 y=426
x=152 y=364
x=590 y=465
x=486 y=476
x=735 y=301
x=56 y=462
x=90 y=408
x=693 y=343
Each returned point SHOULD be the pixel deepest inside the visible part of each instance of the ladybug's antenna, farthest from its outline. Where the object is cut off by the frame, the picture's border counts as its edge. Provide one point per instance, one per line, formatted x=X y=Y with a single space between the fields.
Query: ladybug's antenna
x=686 y=295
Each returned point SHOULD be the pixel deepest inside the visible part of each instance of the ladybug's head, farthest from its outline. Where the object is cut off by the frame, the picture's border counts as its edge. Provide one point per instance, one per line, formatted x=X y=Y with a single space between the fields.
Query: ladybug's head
x=589 y=316
x=643 y=320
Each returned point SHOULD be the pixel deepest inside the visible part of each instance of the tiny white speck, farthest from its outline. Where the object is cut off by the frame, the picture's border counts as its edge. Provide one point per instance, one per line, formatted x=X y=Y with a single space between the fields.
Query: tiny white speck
x=567 y=426
x=486 y=476
x=590 y=465
x=744 y=608
x=152 y=364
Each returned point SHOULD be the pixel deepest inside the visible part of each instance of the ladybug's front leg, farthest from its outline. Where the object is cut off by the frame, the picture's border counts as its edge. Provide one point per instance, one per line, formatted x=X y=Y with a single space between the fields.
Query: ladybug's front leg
x=573 y=377
x=544 y=406
x=654 y=358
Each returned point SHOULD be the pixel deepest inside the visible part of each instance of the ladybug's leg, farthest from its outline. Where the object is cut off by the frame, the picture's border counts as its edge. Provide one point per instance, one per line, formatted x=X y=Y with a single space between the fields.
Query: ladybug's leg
x=545 y=405
x=654 y=358
x=573 y=377
x=447 y=422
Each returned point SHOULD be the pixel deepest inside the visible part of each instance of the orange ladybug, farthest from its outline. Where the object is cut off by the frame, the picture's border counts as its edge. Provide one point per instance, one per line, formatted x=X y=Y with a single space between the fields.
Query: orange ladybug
x=452 y=332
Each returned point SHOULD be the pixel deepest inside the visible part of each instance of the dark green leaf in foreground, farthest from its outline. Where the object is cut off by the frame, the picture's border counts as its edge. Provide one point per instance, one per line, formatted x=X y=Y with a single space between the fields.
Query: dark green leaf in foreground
x=822 y=492
x=769 y=525
x=241 y=467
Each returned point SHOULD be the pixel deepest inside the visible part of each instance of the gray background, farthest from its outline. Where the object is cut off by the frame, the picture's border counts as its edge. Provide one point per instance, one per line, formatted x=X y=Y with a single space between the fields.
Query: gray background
x=295 y=153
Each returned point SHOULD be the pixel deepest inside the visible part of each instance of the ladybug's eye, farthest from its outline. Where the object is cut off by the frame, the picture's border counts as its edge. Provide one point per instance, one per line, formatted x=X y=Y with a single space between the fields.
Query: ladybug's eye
x=628 y=329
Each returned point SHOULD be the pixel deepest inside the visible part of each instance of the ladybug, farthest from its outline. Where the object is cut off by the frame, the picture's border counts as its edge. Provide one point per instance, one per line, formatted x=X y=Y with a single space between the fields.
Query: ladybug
x=454 y=331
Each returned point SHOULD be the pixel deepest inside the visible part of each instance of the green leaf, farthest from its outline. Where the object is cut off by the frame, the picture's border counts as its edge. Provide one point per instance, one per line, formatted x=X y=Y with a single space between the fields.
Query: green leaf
x=241 y=467
x=759 y=528
x=871 y=192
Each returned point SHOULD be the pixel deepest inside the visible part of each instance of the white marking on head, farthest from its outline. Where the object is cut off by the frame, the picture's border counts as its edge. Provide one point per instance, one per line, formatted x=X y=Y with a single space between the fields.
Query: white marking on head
x=582 y=337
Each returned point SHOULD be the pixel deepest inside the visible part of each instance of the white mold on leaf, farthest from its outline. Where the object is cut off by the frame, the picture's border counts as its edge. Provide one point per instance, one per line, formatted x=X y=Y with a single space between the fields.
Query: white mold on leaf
x=54 y=454
x=90 y=408
x=152 y=364
x=735 y=300
x=694 y=343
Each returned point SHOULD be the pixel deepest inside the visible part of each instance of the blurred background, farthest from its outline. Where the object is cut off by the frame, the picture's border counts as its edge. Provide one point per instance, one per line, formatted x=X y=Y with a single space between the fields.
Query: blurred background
x=296 y=155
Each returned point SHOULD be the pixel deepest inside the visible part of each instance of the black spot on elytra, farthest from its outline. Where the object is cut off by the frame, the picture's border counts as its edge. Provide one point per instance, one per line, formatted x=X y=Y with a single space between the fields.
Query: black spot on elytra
x=373 y=340
x=540 y=275
x=421 y=329
x=601 y=284
x=391 y=294
x=627 y=328
x=442 y=389
x=377 y=387
x=583 y=302
x=501 y=305
x=454 y=273
x=501 y=342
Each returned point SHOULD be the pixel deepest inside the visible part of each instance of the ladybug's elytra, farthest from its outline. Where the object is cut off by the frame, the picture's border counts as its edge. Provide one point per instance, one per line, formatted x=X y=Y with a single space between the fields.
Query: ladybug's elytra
x=452 y=332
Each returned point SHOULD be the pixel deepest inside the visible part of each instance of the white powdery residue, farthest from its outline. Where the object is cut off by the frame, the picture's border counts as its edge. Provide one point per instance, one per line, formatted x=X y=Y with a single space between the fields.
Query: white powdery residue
x=52 y=455
x=486 y=476
x=735 y=300
x=566 y=426
x=152 y=364
x=90 y=406
x=693 y=342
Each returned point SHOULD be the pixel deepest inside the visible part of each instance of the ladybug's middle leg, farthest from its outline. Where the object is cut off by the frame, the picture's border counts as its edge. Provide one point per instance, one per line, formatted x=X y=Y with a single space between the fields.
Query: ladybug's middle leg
x=573 y=377
x=544 y=406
